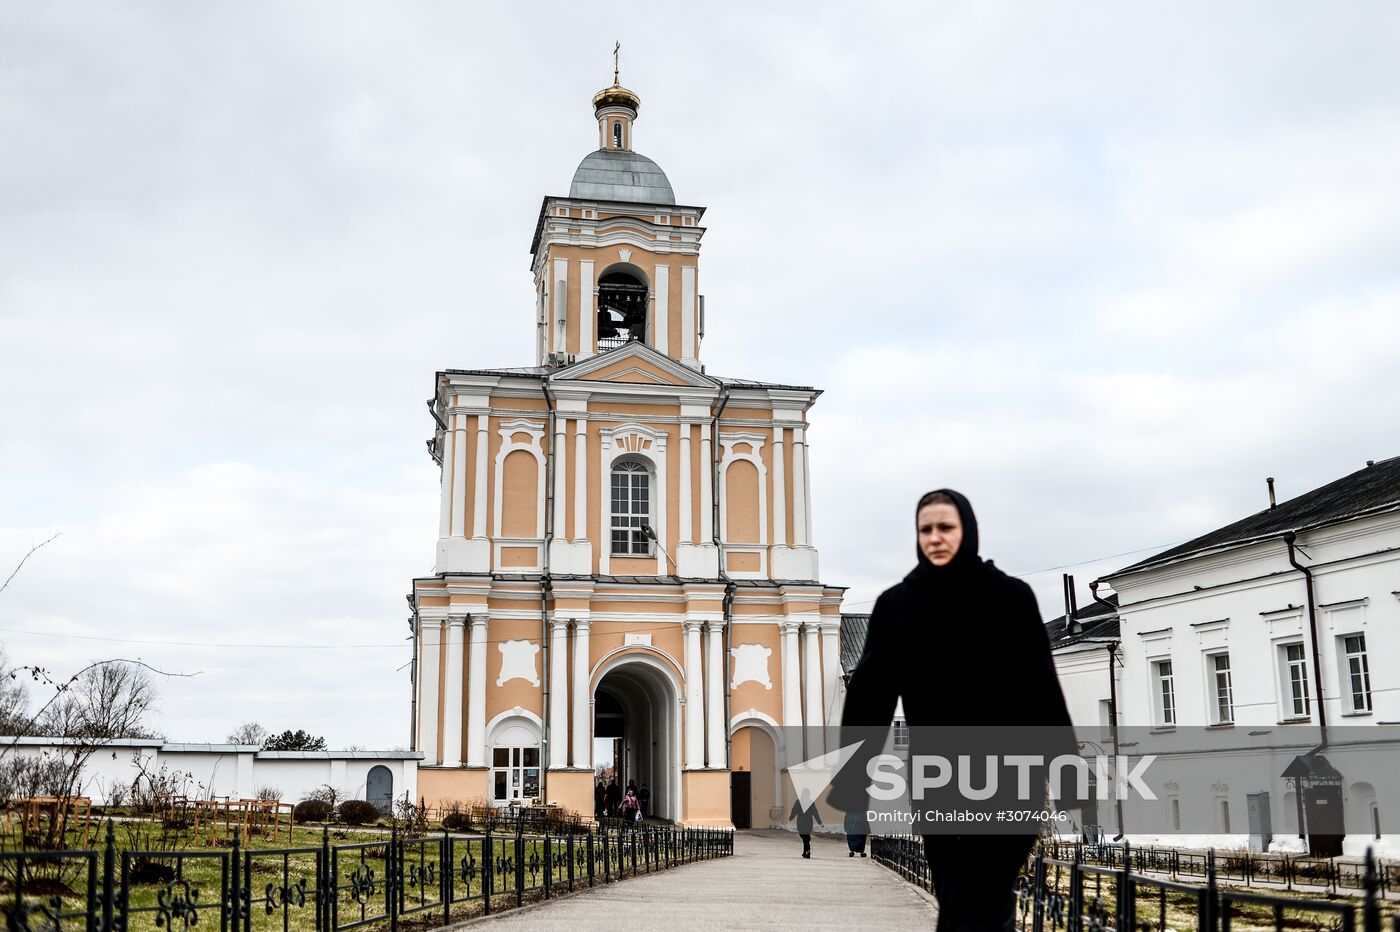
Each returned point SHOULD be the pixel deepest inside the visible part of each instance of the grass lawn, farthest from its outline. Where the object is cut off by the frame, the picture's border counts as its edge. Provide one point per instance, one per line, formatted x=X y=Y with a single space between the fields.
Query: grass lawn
x=186 y=880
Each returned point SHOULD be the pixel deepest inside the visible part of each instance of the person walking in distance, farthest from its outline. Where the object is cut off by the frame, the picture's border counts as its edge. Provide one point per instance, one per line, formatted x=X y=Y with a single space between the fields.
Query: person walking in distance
x=923 y=635
x=804 y=812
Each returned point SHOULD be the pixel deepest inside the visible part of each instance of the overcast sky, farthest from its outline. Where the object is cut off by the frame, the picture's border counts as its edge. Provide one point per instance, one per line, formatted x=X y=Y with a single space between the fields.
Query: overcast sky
x=1102 y=267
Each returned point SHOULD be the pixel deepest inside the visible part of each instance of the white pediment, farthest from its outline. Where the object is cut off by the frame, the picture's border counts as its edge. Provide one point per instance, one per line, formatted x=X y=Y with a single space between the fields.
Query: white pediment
x=588 y=370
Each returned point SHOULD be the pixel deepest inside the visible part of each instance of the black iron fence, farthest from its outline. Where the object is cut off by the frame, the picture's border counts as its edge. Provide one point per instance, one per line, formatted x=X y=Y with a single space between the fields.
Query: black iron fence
x=1062 y=888
x=329 y=888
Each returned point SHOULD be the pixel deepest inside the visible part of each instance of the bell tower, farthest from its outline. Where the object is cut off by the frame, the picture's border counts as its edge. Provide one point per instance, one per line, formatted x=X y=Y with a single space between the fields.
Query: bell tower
x=617 y=260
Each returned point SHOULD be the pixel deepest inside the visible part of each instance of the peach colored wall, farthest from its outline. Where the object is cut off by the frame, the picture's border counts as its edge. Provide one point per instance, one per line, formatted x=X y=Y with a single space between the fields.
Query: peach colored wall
x=751 y=695
x=439 y=786
x=743 y=562
x=706 y=797
x=520 y=489
x=741 y=503
x=519 y=556
x=608 y=372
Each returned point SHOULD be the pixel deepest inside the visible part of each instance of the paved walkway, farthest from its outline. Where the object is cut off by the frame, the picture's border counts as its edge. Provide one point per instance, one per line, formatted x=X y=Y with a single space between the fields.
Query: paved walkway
x=765 y=885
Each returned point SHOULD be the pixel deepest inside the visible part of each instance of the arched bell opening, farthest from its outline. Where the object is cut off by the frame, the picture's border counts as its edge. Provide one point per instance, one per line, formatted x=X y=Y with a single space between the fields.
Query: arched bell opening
x=622 y=308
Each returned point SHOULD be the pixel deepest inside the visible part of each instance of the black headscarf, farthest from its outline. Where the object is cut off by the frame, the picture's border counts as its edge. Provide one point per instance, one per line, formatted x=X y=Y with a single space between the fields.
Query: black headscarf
x=966 y=567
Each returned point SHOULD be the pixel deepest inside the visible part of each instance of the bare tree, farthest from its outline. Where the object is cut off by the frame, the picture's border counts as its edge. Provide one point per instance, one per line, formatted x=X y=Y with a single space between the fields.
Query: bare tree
x=248 y=733
x=105 y=701
x=14 y=698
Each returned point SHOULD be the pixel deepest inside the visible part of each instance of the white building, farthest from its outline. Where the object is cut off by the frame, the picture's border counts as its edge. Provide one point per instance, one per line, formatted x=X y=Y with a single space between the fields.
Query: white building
x=1283 y=626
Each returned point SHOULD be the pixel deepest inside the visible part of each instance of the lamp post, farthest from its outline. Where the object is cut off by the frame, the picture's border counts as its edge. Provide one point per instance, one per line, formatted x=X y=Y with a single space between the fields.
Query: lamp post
x=650 y=535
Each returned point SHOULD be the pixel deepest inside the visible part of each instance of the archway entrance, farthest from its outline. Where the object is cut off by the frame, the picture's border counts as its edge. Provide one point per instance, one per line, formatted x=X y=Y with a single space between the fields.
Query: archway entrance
x=637 y=708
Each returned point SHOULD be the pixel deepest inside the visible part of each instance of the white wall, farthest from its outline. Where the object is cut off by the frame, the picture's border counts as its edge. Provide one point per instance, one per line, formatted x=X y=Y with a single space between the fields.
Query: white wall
x=234 y=771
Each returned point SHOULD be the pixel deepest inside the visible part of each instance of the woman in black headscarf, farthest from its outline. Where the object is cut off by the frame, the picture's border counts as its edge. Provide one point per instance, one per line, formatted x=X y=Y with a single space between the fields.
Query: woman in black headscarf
x=962 y=644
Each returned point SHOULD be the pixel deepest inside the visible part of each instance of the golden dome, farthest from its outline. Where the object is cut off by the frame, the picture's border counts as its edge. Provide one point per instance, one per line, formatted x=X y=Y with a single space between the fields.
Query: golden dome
x=616 y=96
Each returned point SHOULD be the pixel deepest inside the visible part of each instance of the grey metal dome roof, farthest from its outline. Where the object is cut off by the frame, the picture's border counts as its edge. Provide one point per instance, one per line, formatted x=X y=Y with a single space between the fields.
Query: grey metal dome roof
x=621 y=175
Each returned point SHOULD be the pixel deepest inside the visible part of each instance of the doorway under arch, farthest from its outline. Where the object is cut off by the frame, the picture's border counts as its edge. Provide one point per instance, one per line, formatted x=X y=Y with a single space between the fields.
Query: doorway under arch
x=637 y=707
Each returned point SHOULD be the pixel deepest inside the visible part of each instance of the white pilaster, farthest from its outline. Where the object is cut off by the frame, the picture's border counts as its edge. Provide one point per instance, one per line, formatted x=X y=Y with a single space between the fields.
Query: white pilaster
x=483 y=423
x=779 y=490
x=430 y=679
x=688 y=317
x=583 y=732
x=561 y=305
x=707 y=466
x=452 y=686
x=694 y=699
x=459 y=477
x=799 y=488
x=831 y=660
x=662 y=340
x=807 y=492
x=792 y=676
x=449 y=459
x=476 y=694
x=686 y=502
x=561 y=476
x=813 y=716
x=581 y=482
x=714 y=711
x=558 y=694
x=588 y=308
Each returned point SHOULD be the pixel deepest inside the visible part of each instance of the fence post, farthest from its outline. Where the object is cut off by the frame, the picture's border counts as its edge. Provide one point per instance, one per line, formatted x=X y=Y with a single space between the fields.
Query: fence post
x=569 y=851
x=1076 y=889
x=325 y=886
x=519 y=864
x=391 y=862
x=1038 y=894
x=445 y=879
x=1370 y=911
x=1127 y=909
x=236 y=900
x=633 y=841
x=109 y=856
x=487 y=871
x=548 y=865
x=588 y=847
x=1207 y=917
x=607 y=854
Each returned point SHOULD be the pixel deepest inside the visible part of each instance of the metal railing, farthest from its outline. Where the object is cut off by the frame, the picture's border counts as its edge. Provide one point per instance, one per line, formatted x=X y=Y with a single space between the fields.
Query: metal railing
x=329 y=888
x=1061 y=888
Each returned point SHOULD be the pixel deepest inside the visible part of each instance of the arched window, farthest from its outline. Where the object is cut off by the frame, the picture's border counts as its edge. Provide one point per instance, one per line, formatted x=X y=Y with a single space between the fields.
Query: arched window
x=631 y=508
x=617 y=135
x=622 y=309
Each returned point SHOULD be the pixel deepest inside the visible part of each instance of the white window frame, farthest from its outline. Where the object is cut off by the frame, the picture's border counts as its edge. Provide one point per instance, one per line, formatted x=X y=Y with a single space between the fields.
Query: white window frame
x=1354 y=665
x=1164 y=706
x=1220 y=687
x=901 y=734
x=630 y=521
x=1293 y=682
x=517 y=773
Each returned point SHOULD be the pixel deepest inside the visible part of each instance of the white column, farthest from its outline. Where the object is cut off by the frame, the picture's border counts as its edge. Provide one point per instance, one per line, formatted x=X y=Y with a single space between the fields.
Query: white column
x=686 y=502
x=706 y=488
x=813 y=716
x=459 y=476
x=688 y=315
x=452 y=686
x=662 y=341
x=714 y=713
x=561 y=305
x=561 y=475
x=779 y=490
x=476 y=695
x=583 y=731
x=588 y=308
x=558 y=694
x=799 y=489
x=479 y=499
x=792 y=676
x=806 y=488
x=581 y=480
x=430 y=677
x=831 y=660
x=449 y=460
x=694 y=698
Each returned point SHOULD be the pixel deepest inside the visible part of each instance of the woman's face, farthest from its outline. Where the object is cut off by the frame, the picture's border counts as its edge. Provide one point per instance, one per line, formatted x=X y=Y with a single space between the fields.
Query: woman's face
x=940 y=532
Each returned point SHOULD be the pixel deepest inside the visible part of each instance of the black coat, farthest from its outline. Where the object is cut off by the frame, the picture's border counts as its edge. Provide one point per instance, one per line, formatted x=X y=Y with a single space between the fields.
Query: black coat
x=961 y=645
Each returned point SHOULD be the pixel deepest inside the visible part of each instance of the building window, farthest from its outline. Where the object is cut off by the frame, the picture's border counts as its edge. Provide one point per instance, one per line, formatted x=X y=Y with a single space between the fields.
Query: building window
x=901 y=734
x=617 y=135
x=1223 y=689
x=1176 y=814
x=1356 y=672
x=631 y=509
x=1166 y=692
x=1296 y=703
x=1225 y=816
x=515 y=774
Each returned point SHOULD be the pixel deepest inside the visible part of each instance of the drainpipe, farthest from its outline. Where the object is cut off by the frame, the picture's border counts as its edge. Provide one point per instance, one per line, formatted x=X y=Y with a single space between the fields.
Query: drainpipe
x=1112 y=700
x=546 y=590
x=413 y=674
x=719 y=555
x=1290 y=539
